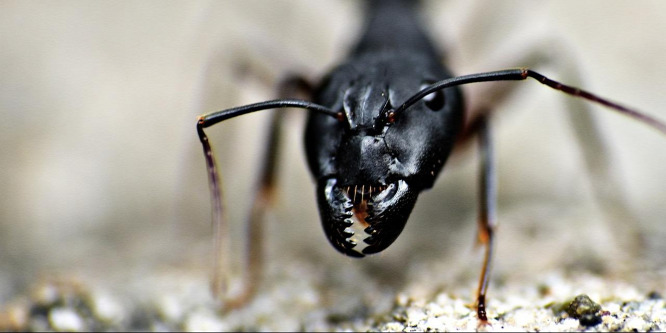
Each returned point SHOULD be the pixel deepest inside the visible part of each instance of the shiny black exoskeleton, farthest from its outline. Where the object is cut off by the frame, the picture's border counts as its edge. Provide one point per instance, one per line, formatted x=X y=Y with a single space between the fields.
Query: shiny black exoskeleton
x=369 y=168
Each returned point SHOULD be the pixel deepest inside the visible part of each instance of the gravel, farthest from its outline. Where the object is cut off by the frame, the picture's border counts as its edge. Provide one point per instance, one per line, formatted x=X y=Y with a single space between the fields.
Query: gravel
x=300 y=298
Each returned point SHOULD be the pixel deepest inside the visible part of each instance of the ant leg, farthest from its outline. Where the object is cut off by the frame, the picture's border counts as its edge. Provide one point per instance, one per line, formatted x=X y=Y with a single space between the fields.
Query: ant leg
x=487 y=216
x=596 y=154
x=263 y=199
x=264 y=195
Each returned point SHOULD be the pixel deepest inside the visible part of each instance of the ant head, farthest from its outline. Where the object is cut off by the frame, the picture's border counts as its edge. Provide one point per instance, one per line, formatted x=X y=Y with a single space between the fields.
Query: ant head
x=370 y=165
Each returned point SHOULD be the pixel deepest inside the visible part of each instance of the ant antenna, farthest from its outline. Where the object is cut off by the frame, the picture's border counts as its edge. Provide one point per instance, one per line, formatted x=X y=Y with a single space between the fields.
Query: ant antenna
x=522 y=74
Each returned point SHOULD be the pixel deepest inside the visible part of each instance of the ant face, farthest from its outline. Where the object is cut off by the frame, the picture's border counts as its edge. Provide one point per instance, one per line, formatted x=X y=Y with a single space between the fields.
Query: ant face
x=371 y=169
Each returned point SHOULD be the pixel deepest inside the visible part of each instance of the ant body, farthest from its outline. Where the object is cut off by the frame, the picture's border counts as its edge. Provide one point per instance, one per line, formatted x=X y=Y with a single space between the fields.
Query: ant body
x=380 y=129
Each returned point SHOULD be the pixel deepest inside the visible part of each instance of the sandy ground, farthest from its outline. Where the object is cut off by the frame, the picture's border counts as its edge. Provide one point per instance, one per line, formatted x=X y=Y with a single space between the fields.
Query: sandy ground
x=104 y=216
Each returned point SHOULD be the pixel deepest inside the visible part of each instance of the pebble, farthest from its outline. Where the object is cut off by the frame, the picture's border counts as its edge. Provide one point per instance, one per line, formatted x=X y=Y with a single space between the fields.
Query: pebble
x=66 y=319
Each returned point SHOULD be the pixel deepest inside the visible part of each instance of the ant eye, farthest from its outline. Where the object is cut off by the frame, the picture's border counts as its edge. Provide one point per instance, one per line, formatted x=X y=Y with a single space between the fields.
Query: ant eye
x=434 y=101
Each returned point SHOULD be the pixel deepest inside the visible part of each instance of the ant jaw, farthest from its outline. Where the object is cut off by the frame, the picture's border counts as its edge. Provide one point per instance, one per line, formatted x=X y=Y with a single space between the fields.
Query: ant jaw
x=364 y=219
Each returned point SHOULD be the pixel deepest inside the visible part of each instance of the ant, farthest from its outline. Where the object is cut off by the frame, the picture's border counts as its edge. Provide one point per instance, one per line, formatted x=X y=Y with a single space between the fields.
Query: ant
x=380 y=128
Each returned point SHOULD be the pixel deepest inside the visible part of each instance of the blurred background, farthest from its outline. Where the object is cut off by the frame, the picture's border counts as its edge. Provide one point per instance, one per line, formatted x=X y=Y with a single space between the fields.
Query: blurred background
x=102 y=174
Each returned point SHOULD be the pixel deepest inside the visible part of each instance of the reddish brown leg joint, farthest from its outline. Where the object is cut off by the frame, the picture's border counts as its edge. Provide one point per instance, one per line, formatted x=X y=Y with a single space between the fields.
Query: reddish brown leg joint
x=487 y=202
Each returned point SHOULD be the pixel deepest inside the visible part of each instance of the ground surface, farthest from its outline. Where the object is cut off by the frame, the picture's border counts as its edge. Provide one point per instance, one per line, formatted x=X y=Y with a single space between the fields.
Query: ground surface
x=299 y=298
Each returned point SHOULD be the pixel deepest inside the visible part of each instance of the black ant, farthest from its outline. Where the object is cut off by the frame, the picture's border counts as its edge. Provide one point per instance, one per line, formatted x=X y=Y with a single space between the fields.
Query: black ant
x=380 y=129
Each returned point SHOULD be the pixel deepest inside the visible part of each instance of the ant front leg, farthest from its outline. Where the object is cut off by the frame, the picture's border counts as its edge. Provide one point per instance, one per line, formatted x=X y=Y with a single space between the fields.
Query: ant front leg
x=595 y=150
x=487 y=207
x=265 y=193
x=254 y=233
x=264 y=197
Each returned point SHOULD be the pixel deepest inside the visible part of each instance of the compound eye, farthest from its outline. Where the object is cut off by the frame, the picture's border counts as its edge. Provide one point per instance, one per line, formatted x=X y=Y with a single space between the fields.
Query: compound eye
x=434 y=101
